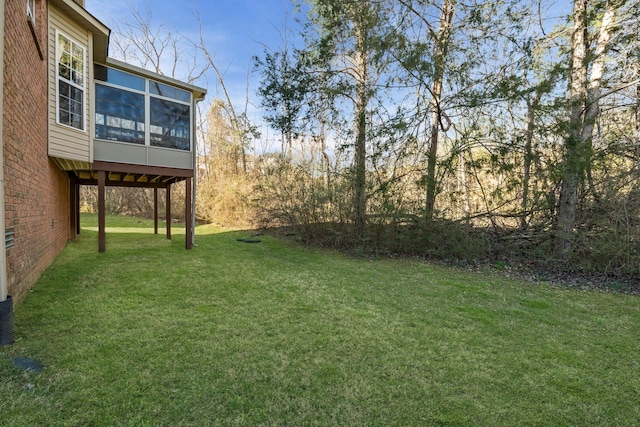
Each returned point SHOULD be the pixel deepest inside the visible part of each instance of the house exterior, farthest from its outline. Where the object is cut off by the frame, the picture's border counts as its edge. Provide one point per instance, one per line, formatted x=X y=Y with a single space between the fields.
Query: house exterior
x=73 y=116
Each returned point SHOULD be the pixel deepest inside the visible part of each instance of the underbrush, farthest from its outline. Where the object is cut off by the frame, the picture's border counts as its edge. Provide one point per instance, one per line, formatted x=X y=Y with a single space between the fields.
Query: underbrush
x=596 y=260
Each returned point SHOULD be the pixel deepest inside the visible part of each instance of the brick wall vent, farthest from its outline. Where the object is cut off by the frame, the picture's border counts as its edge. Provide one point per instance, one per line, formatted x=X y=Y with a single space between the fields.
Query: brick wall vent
x=9 y=238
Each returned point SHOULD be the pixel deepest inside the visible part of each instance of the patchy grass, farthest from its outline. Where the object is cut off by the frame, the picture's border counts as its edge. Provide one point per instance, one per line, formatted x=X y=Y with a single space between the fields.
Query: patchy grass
x=272 y=333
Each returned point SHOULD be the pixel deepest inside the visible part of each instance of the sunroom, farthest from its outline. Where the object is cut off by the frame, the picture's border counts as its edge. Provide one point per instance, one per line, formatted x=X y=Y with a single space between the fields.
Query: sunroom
x=144 y=135
x=114 y=124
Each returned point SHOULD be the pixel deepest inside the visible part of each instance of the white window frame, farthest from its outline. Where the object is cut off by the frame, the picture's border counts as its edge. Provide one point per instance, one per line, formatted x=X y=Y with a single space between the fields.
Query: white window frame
x=31 y=11
x=82 y=87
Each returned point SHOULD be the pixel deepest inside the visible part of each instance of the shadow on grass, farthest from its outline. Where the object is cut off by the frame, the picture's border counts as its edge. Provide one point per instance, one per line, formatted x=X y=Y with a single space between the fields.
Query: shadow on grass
x=131 y=233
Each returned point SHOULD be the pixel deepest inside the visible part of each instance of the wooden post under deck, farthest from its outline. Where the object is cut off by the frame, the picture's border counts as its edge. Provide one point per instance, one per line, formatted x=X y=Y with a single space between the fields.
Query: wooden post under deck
x=73 y=212
x=187 y=214
x=155 y=211
x=168 y=211
x=77 y=207
x=101 y=211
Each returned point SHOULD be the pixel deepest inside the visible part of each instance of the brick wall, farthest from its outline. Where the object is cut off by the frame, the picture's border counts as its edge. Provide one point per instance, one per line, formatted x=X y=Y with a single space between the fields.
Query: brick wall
x=36 y=191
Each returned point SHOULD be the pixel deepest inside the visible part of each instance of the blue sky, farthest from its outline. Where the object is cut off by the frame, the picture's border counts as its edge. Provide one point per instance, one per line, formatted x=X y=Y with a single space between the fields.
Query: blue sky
x=234 y=30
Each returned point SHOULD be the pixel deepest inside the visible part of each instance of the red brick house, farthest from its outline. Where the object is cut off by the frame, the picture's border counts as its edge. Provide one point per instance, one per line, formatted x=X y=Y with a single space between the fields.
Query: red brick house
x=73 y=116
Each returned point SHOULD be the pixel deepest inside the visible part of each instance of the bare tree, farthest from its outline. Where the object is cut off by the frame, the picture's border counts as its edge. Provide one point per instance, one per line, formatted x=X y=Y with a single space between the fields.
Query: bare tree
x=157 y=48
x=243 y=130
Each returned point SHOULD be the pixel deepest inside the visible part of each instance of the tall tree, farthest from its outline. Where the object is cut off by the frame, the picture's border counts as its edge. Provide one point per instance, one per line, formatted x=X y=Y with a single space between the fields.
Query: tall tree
x=456 y=54
x=585 y=81
x=441 y=48
x=349 y=44
x=283 y=88
x=532 y=105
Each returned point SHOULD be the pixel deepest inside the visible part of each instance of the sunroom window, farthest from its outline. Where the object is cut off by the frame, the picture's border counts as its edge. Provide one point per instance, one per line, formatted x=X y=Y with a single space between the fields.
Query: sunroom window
x=70 y=82
x=170 y=124
x=120 y=113
x=132 y=109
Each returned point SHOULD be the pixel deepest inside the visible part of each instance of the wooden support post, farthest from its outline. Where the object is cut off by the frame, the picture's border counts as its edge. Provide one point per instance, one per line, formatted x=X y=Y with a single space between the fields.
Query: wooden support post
x=101 y=211
x=168 y=211
x=187 y=215
x=73 y=215
x=155 y=211
x=77 y=207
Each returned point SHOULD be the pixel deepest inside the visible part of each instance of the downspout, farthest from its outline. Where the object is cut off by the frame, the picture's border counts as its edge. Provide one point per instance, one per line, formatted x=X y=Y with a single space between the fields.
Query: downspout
x=3 y=251
x=6 y=302
x=194 y=138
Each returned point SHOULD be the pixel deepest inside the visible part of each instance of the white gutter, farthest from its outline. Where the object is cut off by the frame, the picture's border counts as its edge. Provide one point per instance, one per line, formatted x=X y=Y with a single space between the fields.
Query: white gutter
x=3 y=250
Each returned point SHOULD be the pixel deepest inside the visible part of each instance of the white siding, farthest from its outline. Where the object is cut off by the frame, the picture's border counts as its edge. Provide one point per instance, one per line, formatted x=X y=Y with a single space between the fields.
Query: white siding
x=66 y=142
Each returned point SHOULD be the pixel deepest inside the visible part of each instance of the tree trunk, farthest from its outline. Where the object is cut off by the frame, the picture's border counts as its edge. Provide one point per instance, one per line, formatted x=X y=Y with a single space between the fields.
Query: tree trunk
x=592 y=109
x=360 y=197
x=439 y=60
x=528 y=157
x=584 y=97
x=637 y=138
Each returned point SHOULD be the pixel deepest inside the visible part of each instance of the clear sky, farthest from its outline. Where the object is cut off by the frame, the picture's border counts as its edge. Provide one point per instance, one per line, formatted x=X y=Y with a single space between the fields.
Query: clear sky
x=234 y=30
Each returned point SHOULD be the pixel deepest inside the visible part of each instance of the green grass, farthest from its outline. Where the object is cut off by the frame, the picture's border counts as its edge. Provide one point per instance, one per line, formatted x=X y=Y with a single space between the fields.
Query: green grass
x=272 y=333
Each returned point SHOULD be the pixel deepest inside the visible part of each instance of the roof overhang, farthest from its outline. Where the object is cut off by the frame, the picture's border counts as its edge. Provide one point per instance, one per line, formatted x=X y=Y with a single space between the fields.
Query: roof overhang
x=89 y=22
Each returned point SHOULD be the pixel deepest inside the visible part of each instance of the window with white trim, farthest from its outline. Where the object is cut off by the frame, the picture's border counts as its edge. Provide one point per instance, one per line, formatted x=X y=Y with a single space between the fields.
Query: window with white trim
x=138 y=110
x=31 y=10
x=70 y=77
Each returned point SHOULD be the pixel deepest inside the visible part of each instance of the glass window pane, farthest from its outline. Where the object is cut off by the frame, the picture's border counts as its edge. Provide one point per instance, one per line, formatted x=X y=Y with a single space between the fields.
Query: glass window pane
x=70 y=105
x=161 y=89
x=64 y=71
x=77 y=121
x=78 y=53
x=70 y=82
x=120 y=78
x=77 y=76
x=70 y=60
x=119 y=115
x=63 y=89
x=170 y=125
x=75 y=93
x=64 y=117
x=64 y=46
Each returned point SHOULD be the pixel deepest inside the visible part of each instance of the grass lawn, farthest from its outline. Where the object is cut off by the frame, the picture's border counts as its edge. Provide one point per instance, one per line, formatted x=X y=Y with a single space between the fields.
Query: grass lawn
x=272 y=333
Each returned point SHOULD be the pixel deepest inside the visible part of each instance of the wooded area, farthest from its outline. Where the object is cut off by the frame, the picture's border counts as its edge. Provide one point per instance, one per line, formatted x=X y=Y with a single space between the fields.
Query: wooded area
x=452 y=129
